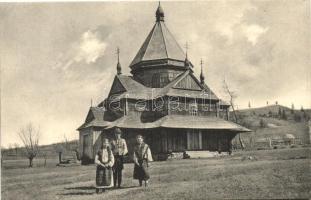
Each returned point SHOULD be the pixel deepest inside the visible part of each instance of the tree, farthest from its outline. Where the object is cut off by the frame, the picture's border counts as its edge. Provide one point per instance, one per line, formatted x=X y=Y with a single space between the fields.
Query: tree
x=301 y=109
x=284 y=116
x=16 y=146
x=267 y=102
x=292 y=109
x=262 y=123
x=297 y=117
x=10 y=149
x=30 y=135
x=2 y=154
x=306 y=116
x=44 y=155
x=280 y=112
x=232 y=97
x=249 y=104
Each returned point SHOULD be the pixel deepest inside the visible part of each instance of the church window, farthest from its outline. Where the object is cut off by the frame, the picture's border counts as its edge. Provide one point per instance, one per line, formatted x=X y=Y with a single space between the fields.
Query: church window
x=155 y=81
x=160 y=80
x=193 y=108
x=171 y=76
x=164 y=79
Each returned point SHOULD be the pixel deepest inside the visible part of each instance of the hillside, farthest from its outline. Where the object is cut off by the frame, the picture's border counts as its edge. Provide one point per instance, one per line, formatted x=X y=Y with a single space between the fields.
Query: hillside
x=264 y=110
x=50 y=151
x=266 y=122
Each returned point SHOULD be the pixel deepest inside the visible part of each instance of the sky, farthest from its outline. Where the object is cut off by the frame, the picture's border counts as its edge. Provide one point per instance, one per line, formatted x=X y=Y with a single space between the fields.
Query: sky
x=56 y=57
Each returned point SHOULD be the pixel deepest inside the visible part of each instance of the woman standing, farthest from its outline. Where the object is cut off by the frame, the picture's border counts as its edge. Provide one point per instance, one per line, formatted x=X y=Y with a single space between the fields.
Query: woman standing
x=104 y=160
x=142 y=157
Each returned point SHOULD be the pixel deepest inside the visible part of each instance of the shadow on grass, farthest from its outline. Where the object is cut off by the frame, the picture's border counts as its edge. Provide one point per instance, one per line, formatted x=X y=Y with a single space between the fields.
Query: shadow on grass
x=90 y=188
x=93 y=188
x=78 y=193
x=127 y=187
x=83 y=192
x=81 y=188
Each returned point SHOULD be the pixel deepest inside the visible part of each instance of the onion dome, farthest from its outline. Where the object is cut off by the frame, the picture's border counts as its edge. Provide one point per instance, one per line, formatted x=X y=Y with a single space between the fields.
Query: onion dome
x=119 y=69
x=202 y=78
x=160 y=13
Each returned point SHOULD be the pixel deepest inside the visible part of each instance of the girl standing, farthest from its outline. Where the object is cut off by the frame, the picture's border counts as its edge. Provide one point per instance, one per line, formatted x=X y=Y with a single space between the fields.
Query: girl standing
x=142 y=157
x=104 y=160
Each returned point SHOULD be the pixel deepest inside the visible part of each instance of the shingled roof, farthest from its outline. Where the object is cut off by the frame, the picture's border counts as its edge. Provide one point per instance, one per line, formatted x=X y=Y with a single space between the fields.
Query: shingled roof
x=178 y=121
x=159 y=44
x=95 y=118
x=200 y=122
x=135 y=90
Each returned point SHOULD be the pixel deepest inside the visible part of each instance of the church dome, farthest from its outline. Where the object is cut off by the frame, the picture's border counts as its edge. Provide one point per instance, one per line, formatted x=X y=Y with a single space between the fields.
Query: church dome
x=160 y=14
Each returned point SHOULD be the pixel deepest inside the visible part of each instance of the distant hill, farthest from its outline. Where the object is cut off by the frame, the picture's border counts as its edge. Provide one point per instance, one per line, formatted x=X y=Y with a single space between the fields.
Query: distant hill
x=50 y=151
x=264 y=110
x=267 y=123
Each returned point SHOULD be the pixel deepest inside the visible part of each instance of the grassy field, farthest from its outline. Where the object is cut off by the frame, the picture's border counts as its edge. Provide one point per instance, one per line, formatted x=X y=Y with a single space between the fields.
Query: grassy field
x=280 y=173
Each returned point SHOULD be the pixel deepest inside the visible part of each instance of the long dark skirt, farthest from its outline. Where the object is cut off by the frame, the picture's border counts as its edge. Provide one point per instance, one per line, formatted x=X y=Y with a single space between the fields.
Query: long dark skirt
x=141 y=171
x=104 y=177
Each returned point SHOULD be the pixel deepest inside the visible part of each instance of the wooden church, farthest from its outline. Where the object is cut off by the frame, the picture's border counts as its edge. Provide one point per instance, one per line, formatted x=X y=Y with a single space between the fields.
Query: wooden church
x=163 y=101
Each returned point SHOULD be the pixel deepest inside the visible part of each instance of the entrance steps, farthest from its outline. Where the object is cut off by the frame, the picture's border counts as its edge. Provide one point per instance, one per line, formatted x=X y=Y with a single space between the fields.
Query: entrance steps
x=205 y=154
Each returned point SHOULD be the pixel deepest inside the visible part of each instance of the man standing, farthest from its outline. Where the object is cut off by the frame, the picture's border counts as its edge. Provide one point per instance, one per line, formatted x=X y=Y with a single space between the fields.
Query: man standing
x=119 y=149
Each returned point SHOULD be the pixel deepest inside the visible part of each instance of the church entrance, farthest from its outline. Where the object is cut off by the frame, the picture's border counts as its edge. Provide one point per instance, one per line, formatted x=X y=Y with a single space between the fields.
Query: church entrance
x=194 y=139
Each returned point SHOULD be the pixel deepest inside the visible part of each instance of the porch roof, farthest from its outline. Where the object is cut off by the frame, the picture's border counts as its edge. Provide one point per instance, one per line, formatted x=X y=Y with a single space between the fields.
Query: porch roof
x=200 y=122
x=178 y=121
x=95 y=123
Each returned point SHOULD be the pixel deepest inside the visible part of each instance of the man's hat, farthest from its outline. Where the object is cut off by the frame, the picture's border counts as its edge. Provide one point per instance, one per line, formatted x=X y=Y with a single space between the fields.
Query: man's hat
x=117 y=131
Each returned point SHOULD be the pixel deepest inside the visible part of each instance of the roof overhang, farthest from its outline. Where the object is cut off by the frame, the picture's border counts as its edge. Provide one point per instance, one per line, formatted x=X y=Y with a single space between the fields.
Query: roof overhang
x=179 y=122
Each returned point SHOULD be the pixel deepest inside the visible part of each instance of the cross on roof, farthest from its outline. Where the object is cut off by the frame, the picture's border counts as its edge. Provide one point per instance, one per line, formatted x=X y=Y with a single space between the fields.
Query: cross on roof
x=118 y=53
x=186 y=47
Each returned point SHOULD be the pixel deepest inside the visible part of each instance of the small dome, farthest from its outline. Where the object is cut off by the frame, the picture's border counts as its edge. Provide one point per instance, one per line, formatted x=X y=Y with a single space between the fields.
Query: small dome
x=119 y=69
x=202 y=77
x=160 y=13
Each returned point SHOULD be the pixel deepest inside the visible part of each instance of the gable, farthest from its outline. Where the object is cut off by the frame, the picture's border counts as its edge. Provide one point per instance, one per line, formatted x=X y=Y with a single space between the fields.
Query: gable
x=89 y=117
x=188 y=83
x=116 y=87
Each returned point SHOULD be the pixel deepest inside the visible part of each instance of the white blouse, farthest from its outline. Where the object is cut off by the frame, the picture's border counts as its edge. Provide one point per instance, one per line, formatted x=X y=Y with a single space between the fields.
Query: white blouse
x=105 y=158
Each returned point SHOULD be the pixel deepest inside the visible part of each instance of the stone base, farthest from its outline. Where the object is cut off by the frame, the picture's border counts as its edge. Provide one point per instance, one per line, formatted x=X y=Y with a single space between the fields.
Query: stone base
x=176 y=155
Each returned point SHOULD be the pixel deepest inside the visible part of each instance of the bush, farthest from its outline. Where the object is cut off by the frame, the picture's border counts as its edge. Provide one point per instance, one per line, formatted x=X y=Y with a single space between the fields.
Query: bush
x=297 y=117
x=262 y=123
x=306 y=116
x=284 y=116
